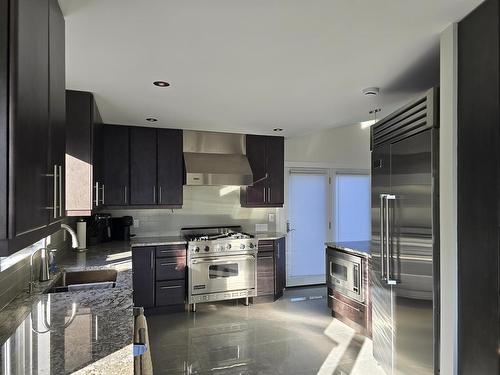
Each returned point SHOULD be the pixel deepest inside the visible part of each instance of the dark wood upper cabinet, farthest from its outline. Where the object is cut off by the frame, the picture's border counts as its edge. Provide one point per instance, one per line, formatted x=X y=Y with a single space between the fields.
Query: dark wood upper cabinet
x=143 y=166
x=32 y=119
x=84 y=184
x=170 y=167
x=276 y=168
x=115 y=165
x=57 y=108
x=266 y=157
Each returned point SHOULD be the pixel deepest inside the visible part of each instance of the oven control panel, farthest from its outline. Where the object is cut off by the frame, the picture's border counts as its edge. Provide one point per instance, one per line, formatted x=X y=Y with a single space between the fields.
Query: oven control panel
x=210 y=247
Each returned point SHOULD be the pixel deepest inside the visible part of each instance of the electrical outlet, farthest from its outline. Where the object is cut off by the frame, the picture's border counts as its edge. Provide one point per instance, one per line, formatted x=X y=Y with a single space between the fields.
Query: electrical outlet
x=271 y=218
x=136 y=223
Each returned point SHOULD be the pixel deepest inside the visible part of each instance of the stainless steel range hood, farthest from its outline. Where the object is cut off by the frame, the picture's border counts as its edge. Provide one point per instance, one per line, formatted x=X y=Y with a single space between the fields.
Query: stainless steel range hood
x=216 y=159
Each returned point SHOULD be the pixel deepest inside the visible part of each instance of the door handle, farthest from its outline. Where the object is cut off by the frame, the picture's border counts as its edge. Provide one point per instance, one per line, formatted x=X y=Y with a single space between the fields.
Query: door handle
x=96 y=200
x=288 y=229
x=60 y=192
x=388 y=243
x=382 y=218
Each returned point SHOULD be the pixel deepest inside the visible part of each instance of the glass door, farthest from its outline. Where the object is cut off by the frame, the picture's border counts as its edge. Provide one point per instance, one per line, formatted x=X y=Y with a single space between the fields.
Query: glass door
x=307 y=226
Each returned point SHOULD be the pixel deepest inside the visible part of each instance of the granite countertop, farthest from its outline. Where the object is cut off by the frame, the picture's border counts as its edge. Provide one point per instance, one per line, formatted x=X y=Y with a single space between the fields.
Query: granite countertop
x=157 y=241
x=268 y=235
x=88 y=331
x=362 y=248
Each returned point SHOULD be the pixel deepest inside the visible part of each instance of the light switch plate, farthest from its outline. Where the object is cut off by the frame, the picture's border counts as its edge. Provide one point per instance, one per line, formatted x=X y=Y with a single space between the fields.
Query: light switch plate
x=270 y=218
x=261 y=227
x=136 y=223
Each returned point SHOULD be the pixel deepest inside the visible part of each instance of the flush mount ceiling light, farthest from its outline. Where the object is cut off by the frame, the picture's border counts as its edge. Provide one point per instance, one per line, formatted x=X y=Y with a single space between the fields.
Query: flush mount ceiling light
x=161 y=83
x=277 y=130
x=371 y=91
x=151 y=119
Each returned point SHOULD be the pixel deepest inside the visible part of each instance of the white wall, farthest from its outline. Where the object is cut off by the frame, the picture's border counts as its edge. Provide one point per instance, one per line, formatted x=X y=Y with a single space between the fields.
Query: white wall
x=448 y=200
x=343 y=147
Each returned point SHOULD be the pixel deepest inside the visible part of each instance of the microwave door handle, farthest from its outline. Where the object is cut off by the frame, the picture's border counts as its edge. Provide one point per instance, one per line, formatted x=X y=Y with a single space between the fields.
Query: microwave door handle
x=388 y=234
x=382 y=218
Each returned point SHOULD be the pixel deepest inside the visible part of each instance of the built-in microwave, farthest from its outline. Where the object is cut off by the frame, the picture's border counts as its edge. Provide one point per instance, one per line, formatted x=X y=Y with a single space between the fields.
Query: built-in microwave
x=345 y=274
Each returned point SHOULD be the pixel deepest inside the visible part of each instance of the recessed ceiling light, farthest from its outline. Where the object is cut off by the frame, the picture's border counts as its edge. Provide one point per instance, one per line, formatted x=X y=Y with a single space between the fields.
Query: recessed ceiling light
x=151 y=119
x=371 y=91
x=277 y=130
x=161 y=83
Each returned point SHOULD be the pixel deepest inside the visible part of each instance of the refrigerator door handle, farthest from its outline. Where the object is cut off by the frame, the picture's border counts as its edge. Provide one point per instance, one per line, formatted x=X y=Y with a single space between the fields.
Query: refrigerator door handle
x=388 y=243
x=382 y=271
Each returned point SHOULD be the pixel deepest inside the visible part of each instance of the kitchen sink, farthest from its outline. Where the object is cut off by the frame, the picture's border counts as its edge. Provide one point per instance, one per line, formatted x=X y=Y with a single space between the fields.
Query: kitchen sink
x=84 y=280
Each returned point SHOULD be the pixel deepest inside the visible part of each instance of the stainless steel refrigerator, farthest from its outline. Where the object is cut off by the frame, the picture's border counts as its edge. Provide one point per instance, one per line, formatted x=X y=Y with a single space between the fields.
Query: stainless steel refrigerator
x=405 y=238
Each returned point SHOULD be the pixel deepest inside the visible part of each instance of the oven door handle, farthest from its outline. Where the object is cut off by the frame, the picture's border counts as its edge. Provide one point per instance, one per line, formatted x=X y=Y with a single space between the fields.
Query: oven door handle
x=225 y=260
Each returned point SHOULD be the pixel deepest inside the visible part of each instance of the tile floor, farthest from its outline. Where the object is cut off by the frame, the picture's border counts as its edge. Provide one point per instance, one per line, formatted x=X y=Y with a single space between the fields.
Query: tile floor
x=295 y=335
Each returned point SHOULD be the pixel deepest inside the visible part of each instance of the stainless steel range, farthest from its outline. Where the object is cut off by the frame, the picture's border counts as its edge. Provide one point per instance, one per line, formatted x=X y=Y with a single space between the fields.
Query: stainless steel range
x=222 y=264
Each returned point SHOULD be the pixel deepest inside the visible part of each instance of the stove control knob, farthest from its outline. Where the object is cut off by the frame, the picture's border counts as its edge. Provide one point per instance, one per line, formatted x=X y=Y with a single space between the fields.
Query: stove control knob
x=228 y=246
x=207 y=249
x=196 y=249
x=242 y=246
x=252 y=246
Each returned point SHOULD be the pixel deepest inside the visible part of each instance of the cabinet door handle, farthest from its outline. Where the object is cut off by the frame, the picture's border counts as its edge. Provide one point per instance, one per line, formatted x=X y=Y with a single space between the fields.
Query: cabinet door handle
x=278 y=250
x=159 y=195
x=171 y=287
x=259 y=258
x=56 y=181
x=352 y=307
x=154 y=194
x=125 y=194
x=151 y=263
x=168 y=264
x=264 y=189
x=96 y=200
x=60 y=192
x=102 y=188
x=268 y=195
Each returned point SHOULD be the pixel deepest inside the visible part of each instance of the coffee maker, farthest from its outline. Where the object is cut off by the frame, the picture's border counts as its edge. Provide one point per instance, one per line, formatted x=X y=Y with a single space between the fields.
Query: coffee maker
x=120 y=228
x=98 y=228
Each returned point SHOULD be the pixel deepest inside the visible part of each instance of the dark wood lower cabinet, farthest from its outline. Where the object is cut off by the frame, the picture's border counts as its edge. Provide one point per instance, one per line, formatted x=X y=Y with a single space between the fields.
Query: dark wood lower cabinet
x=159 y=277
x=270 y=270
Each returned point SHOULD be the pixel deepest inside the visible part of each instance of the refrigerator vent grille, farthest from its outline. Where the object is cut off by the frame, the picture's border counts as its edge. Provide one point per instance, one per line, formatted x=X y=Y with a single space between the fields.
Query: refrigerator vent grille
x=407 y=121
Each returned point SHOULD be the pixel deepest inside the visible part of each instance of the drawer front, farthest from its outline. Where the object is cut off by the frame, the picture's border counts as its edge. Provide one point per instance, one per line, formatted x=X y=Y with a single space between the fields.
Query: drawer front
x=347 y=308
x=170 y=251
x=173 y=268
x=265 y=285
x=170 y=293
x=266 y=245
x=265 y=264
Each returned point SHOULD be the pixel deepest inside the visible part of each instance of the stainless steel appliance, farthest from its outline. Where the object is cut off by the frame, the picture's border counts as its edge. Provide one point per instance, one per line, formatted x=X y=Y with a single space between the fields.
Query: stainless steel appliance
x=405 y=239
x=216 y=159
x=344 y=274
x=222 y=264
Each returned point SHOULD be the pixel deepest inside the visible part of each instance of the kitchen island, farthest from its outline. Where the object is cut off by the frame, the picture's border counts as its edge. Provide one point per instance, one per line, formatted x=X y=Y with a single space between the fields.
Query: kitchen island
x=82 y=332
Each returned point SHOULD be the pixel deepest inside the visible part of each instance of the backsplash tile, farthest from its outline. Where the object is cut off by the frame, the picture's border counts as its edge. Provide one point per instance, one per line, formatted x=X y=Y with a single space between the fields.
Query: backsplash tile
x=203 y=206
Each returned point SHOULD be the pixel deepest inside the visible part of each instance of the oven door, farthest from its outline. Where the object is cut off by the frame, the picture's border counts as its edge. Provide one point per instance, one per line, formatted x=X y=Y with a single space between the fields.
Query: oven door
x=345 y=275
x=222 y=274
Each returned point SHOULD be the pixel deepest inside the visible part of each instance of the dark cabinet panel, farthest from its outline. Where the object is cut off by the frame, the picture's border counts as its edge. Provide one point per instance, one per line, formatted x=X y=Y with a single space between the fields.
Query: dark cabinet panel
x=280 y=267
x=143 y=162
x=256 y=154
x=57 y=110
x=170 y=167
x=271 y=267
x=276 y=169
x=115 y=165
x=171 y=251
x=30 y=52
x=32 y=110
x=143 y=278
x=266 y=157
x=83 y=177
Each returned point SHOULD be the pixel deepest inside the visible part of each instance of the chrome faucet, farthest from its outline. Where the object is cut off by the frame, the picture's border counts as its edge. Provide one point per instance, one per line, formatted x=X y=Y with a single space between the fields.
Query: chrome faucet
x=74 y=238
x=45 y=261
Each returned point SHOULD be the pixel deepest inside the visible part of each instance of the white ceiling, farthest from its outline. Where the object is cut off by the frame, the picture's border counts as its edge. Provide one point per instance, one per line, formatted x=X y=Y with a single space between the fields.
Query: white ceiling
x=253 y=65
